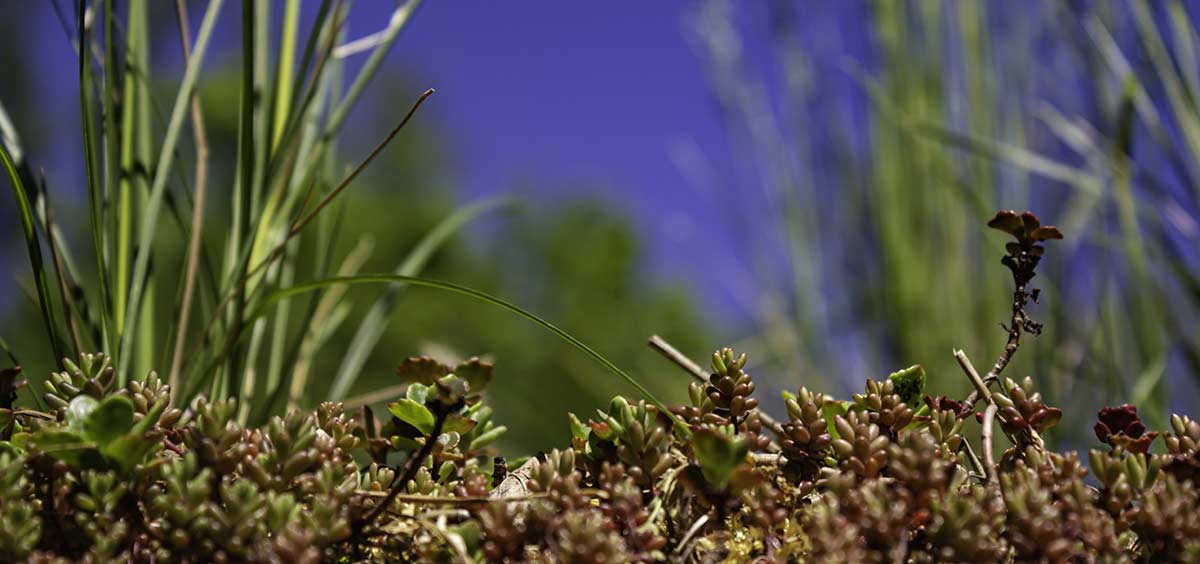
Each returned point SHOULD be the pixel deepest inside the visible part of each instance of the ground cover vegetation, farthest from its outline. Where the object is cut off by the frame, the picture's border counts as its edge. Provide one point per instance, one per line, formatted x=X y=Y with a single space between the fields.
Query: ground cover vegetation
x=223 y=456
x=107 y=471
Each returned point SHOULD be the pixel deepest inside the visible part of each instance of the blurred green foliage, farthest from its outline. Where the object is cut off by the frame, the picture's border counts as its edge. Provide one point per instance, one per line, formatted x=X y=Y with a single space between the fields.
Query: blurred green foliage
x=576 y=263
x=878 y=137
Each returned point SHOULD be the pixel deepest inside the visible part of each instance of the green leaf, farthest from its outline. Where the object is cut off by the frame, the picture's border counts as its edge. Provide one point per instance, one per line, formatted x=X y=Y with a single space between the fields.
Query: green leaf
x=487 y=437
x=449 y=440
x=68 y=447
x=111 y=419
x=404 y=443
x=718 y=455
x=910 y=384
x=129 y=450
x=476 y=373
x=458 y=424
x=412 y=413
x=34 y=248
x=578 y=429
x=158 y=188
x=417 y=392
x=831 y=409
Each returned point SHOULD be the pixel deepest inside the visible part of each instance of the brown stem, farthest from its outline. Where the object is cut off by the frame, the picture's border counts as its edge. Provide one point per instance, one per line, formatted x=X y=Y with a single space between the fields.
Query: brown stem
x=989 y=419
x=399 y=483
x=193 y=257
x=672 y=354
x=1015 y=326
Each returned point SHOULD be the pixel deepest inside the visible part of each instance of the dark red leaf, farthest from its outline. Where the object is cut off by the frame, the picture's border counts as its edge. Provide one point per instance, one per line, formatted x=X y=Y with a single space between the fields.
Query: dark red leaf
x=1007 y=221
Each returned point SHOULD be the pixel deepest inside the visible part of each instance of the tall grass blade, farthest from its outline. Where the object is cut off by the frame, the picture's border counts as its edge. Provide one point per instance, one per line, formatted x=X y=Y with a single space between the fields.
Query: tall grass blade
x=325 y=318
x=158 y=187
x=98 y=197
x=35 y=252
x=474 y=294
x=373 y=325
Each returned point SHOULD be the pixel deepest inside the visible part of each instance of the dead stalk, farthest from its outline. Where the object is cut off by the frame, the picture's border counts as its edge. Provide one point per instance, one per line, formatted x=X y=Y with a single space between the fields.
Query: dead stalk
x=193 y=258
x=989 y=419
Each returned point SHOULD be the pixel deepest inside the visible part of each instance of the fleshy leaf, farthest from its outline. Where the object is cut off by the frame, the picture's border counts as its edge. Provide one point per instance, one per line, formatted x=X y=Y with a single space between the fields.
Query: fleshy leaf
x=718 y=455
x=578 y=429
x=68 y=447
x=417 y=392
x=449 y=440
x=909 y=384
x=1047 y=232
x=601 y=430
x=1007 y=221
x=476 y=372
x=421 y=369
x=458 y=424
x=405 y=443
x=412 y=413
x=111 y=419
x=487 y=437
x=830 y=411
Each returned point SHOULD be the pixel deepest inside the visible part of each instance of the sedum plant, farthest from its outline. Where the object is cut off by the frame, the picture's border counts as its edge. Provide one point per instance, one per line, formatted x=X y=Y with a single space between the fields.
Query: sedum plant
x=112 y=472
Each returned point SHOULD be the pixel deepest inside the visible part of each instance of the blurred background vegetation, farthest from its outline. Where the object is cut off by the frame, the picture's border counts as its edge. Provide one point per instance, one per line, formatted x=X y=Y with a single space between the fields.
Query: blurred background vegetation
x=876 y=158
x=849 y=206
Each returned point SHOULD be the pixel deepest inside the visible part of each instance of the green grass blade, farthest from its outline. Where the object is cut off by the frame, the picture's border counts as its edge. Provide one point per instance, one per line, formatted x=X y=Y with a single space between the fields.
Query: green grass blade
x=285 y=293
x=326 y=315
x=1180 y=99
x=35 y=252
x=158 y=187
x=1018 y=156
x=134 y=72
x=97 y=196
x=283 y=75
x=373 y=325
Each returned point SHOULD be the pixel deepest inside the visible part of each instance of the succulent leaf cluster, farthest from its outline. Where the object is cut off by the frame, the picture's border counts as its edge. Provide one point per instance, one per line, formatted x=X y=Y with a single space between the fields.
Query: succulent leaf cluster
x=120 y=475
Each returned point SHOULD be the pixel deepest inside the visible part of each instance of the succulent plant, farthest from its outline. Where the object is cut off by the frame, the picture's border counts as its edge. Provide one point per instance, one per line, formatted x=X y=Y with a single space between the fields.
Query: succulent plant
x=806 y=440
x=631 y=434
x=1166 y=522
x=884 y=407
x=122 y=476
x=1121 y=427
x=20 y=525
x=729 y=387
x=1023 y=254
x=964 y=526
x=92 y=376
x=584 y=539
x=833 y=538
x=861 y=447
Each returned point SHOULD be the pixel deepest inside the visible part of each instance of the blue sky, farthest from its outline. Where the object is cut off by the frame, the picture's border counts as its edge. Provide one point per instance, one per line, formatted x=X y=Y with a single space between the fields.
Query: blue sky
x=542 y=96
